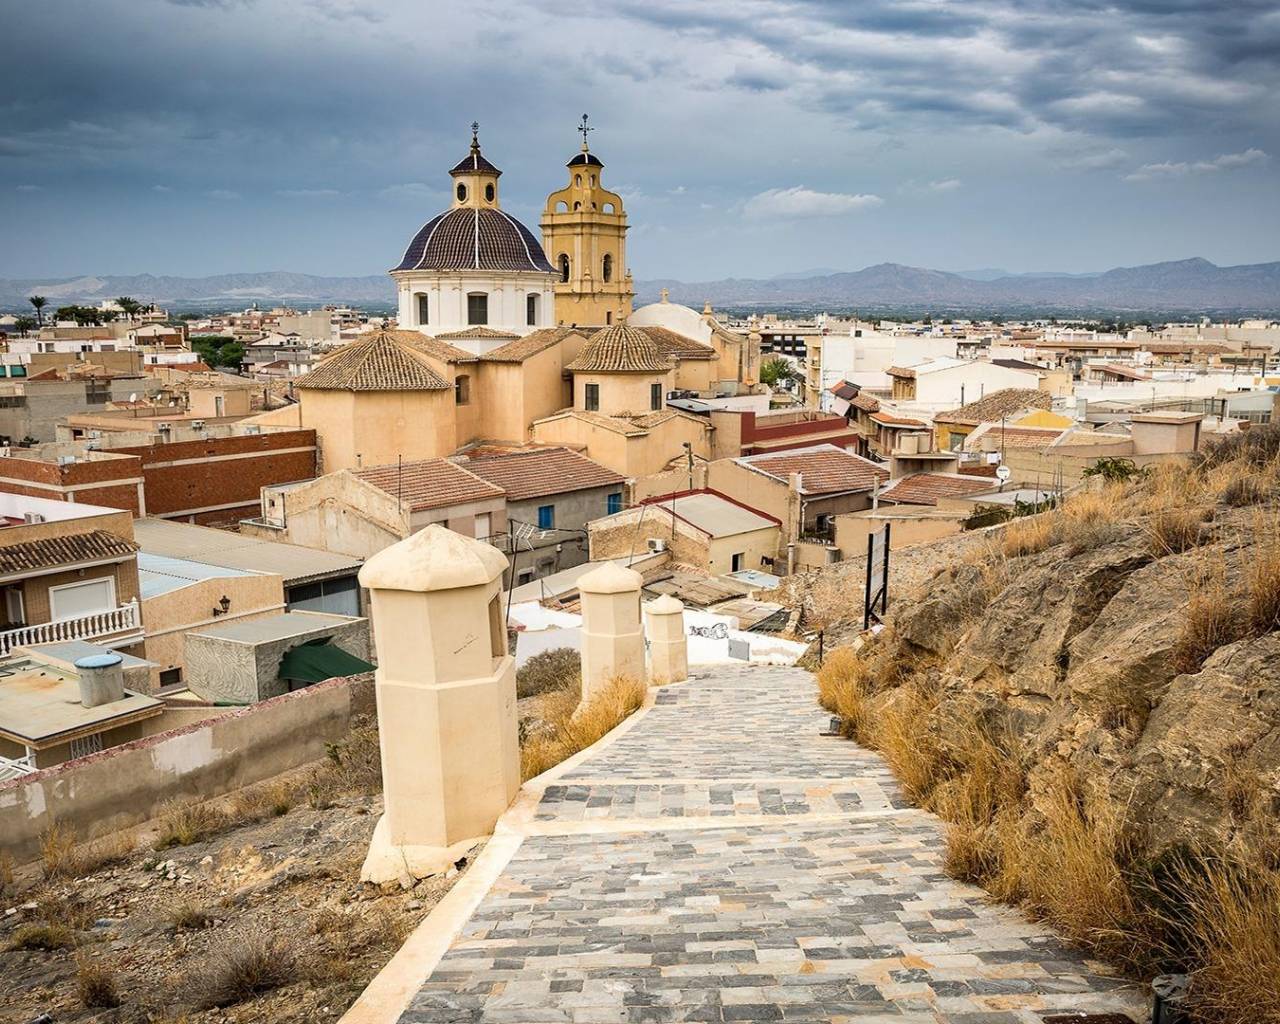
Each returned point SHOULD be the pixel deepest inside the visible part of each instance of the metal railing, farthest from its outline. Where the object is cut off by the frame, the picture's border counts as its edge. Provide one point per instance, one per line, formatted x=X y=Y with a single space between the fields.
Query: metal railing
x=78 y=627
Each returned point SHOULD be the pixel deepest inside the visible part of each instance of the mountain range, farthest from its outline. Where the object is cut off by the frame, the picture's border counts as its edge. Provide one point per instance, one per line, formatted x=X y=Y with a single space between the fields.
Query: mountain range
x=1178 y=286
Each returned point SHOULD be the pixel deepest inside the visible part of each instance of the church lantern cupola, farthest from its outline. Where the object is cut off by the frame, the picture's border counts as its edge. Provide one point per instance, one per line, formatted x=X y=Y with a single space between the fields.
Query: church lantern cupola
x=584 y=232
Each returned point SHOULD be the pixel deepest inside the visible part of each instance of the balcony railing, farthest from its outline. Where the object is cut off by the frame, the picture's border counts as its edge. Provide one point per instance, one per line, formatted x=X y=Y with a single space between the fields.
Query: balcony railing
x=91 y=626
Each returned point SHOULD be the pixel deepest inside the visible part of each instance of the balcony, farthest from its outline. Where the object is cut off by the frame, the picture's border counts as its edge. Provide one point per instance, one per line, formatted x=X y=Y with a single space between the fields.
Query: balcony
x=91 y=626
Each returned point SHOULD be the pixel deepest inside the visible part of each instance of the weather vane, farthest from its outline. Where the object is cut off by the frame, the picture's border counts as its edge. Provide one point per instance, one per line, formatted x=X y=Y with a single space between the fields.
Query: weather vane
x=584 y=128
x=475 y=133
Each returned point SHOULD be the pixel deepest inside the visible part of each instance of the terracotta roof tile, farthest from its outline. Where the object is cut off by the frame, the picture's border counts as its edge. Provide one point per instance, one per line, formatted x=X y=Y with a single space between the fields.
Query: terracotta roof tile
x=430 y=483
x=672 y=343
x=991 y=407
x=891 y=420
x=73 y=549
x=381 y=362
x=823 y=469
x=901 y=371
x=475 y=239
x=542 y=471
x=927 y=488
x=1035 y=438
x=530 y=345
x=477 y=332
x=620 y=349
x=1127 y=372
x=866 y=403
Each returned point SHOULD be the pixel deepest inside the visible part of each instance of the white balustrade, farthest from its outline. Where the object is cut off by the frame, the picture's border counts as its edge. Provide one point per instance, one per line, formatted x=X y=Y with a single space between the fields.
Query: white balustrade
x=90 y=626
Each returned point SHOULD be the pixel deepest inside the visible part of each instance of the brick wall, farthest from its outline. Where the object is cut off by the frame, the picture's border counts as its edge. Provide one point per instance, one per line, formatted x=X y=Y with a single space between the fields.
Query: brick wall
x=111 y=482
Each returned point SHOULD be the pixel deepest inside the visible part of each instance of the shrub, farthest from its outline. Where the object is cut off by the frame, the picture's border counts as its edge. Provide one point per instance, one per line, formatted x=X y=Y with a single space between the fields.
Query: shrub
x=184 y=822
x=96 y=985
x=1210 y=621
x=1262 y=580
x=1173 y=531
x=1242 y=490
x=572 y=727
x=1256 y=447
x=355 y=763
x=241 y=965
x=1113 y=469
x=842 y=689
x=189 y=916
x=57 y=851
x=556 y=669
x=1028 y=536
x=42 y=936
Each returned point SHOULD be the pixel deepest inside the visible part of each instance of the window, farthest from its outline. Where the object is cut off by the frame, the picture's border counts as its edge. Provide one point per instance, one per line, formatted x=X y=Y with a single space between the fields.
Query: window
x=546 y=517
x=613 y=503
x=170 y=677
x=591 y=397
x=86 y=745
x=608 y=317
x=606 y=271
x=735 y=562
x=462 y=192
x=489 y=192
x=564 y=267
x=531 y=310
x=524 y=576
x=593 y=181
x=655 y=396
x=76 y=599
x=462 y=390
x=483 y=525
x=577 y=180
x=424 y=308
x=477 y=308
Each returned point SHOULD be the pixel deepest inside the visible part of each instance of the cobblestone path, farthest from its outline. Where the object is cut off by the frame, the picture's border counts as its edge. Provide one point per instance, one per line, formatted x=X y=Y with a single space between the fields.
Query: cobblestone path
x=721 y=861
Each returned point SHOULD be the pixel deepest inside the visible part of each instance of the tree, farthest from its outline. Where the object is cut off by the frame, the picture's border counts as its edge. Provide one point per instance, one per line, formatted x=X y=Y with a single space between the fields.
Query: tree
x=24 y=324
x=777 y=372
x=218 y=350
x=38 y=301
x=82 y=315
x=130 y=307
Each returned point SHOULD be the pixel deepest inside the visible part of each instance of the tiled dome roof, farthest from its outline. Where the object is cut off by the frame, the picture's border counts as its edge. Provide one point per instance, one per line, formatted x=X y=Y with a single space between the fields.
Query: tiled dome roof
x=381 y=362
x=475 y=239
x=620 y=349
x=585 y=160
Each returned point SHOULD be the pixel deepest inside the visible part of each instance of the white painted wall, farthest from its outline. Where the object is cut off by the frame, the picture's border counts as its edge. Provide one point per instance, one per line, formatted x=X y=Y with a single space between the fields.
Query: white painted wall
x=447 y=296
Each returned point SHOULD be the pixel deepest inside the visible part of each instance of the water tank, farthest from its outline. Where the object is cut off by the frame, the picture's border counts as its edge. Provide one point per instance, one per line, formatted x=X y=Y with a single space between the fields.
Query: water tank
x=101 y=679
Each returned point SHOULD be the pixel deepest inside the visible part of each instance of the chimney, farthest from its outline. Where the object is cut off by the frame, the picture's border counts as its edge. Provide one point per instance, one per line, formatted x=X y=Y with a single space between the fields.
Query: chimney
x=101 y=679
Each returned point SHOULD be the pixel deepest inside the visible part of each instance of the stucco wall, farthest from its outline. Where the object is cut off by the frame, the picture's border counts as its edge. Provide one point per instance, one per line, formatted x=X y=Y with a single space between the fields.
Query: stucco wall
x=753 y=546
x=620 y=392
x=126 y=785
x=372 y=428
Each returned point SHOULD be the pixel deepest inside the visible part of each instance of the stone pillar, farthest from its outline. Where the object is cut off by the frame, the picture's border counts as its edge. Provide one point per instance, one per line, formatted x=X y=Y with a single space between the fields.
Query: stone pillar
x=446 y=691
x=612 y=640
x=668 y=645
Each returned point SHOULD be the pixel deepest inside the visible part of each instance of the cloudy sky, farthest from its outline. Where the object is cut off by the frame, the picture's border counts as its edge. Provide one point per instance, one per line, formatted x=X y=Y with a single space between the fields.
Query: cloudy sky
x=749 y=137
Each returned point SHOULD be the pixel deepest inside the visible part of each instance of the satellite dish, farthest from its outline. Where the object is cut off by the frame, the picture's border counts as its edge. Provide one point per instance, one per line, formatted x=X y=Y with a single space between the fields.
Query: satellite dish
x=133 y=396
x=1003 y=473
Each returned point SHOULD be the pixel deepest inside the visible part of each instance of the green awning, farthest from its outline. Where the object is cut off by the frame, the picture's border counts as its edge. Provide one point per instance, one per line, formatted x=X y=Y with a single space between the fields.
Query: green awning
x=314 y=663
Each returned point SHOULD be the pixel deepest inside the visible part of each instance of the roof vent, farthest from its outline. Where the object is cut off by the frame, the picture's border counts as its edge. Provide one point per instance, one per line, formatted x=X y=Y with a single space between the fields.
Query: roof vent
x=657 y=545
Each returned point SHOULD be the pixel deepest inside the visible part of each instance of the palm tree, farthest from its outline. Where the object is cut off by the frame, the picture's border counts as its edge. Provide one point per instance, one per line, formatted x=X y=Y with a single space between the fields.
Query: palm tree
x=128 y=306
x=38 y=301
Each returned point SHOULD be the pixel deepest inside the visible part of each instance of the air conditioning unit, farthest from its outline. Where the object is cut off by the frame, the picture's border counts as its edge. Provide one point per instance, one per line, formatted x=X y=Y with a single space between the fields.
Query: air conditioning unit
x=164 y=428
x=95 y=434
x=31 y=518
x=4 y=451
x=253 y=428
x=197 y=424
x=657 y=545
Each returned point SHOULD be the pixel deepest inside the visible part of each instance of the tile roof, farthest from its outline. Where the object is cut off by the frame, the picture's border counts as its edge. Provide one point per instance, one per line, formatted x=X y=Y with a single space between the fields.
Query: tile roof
x=620 y=349
x=890 y=420
x=430 y=483
x=1127 y=372
x=436 y=348
x=1004 y=402
x=596 y=419
x=672 y=343
x=901 y=371
x=31 y=555
x=542 y=471
x=927 y=488
x=474 y=239
x=1035 y=438
x=1017 y=364
x=866 y=403
x=381 y=362
x=823 y=469
x=845 y=390
x=530 y=345
x=477 y=332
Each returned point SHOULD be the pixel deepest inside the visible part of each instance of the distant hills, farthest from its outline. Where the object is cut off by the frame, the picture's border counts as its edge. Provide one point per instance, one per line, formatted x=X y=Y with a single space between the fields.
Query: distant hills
x=1179 y=286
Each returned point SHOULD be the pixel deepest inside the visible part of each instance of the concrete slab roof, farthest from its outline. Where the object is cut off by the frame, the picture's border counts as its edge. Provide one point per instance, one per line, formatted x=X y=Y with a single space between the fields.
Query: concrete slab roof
x=161 y=574
x=297 y=564
x=40 y=707
x=714 y=515
x=274 y=627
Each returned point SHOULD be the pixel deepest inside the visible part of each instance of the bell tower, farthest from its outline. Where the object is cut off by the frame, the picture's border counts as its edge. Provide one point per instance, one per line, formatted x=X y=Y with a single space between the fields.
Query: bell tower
x=475 y=180
x=584 y=234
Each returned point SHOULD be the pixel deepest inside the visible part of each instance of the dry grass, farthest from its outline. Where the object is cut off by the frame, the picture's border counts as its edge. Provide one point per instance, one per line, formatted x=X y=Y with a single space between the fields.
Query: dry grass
x=63 y=856
x=1088 y=520
x=1234 y=912
x=843 y=682
x=547 y=671
x=57 y=851
x=6 y=871
x=571 y=727
x=1122 y=703
x=241 y=965
x=42 y=935
x=96 y=985
x=1210 y=621
x=904 y=733
x=1028 y=536
x=1173 y=531
x=187 y=916
x=183 y=822
x=1262 y=577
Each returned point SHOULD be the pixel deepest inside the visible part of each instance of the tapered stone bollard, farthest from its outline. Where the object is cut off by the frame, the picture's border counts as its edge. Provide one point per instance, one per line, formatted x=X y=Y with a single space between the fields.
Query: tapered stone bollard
x=446 y=692
x=612 y=640
x=668 y=645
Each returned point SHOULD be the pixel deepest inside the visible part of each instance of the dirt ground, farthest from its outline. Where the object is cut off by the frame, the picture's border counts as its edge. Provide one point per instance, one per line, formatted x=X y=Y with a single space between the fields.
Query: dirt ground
x=172 y=928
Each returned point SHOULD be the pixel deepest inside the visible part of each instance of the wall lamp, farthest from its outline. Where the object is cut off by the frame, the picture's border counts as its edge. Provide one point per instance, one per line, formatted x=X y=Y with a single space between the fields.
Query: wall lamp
x=224 y=605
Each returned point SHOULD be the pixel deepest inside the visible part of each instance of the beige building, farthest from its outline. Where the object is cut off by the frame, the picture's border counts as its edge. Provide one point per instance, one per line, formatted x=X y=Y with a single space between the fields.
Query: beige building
x=584 y=233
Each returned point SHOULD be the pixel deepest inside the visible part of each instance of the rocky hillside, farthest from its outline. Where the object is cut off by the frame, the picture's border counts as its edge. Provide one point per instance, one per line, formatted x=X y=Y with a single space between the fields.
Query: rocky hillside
x=1091 y=698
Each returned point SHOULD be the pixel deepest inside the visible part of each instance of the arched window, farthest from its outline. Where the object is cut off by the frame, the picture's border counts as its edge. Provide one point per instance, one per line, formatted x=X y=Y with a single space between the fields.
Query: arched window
x=577 y=206
x=607 y=270
x=531 y=309
x=489 y=192
x=593 y=181
x=477 y=308
x=562 y=207
x=577 y=180
x=424 y=308
x=462 y=192
x=608 y=208
x=564 y=267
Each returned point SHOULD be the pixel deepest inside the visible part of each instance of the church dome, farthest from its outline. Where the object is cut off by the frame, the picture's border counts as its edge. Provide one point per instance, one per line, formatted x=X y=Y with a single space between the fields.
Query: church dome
x=467 y=238
x=619 y=349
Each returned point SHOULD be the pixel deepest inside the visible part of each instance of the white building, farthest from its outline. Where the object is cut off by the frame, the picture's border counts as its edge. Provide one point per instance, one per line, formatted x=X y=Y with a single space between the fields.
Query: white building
x=475 y=268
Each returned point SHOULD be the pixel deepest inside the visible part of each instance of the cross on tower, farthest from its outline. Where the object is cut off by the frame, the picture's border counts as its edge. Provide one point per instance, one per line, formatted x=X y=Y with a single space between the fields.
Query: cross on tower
x=584 y=128
x=475 y=133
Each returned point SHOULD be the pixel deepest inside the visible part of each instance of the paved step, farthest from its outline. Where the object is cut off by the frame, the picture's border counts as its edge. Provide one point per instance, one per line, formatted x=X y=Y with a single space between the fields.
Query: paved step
x=720 y=861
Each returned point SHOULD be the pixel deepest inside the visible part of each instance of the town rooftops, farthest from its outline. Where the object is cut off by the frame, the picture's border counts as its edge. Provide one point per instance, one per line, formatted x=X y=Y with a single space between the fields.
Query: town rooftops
x=40 y=706
x=36 y=556
x=672 y=343
x=712 y=513
x=1125 y=372
x=620 y=349
x=429 y=483
x=538 y=472
x=162 y=574
x=478 y=332
x=1004 y=402
x=824 y=469
x=928 y=366
x=297 y=564
x=530 y=345
x=1017 y=364
x=381 y=362
x=845 y=390
x=927 y=488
